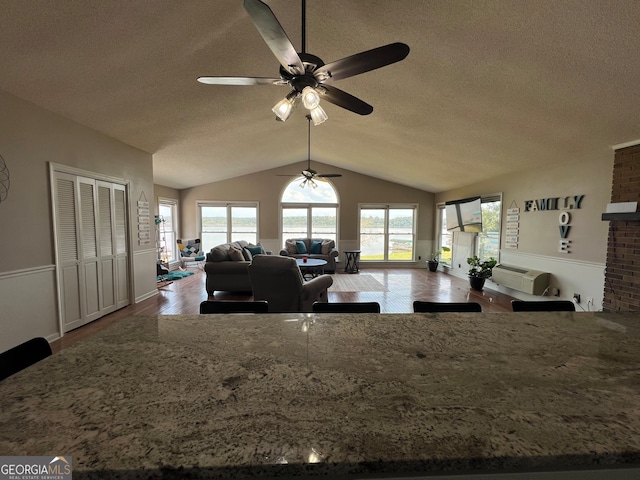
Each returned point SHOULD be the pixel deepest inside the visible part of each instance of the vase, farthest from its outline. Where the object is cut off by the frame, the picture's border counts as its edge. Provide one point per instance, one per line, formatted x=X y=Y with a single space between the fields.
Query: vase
x=432 y=265
x=477 y=283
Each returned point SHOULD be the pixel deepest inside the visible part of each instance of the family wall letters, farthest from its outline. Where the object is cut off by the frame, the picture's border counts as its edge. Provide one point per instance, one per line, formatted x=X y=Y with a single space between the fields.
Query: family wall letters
x=554 y=203
x=564 y=220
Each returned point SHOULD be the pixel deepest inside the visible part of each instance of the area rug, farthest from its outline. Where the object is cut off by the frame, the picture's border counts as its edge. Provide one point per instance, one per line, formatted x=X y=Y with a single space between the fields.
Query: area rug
x=356 y=283
x=177 y=275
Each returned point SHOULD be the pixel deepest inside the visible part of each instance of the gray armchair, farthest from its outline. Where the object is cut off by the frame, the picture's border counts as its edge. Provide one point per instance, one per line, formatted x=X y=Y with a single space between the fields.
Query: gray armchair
x=278 y=280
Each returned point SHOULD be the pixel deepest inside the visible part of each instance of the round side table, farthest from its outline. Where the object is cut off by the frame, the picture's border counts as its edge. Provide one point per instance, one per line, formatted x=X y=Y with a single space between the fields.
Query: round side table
x=352 y=261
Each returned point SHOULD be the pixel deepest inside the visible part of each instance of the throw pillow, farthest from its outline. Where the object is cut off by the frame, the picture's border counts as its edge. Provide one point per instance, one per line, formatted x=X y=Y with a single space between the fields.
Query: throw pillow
x=327 y=245
x=220 y=253
x=290 y=245
x=235 y=254
x=190 y=251
x=255 y=249
x=246 y=254
x=316 y=247
x=300 y=247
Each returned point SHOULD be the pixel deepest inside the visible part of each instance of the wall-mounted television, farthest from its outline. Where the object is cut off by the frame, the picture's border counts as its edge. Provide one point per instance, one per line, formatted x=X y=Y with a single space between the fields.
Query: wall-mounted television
x=464 y=215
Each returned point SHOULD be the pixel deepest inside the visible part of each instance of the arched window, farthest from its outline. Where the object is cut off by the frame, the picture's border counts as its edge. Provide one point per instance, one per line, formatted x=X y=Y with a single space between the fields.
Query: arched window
x=309 y=212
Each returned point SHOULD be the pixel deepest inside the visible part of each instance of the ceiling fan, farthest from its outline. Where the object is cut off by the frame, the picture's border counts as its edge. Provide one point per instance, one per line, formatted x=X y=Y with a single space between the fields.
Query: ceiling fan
x=307 y=75
x=309 y=174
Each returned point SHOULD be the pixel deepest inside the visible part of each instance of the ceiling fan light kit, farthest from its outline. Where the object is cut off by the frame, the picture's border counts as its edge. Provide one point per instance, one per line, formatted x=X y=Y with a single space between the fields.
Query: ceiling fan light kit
x=318 y=115
x=310 y=98
x=307 y=75
x=285 y=106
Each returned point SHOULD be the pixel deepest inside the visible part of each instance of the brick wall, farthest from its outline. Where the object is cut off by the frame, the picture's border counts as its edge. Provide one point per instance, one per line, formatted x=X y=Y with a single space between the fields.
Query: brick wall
x=622 y=276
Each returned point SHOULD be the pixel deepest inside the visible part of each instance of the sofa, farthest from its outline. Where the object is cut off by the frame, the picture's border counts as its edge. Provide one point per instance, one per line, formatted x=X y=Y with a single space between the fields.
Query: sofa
x=226 y=266
x=317 y=248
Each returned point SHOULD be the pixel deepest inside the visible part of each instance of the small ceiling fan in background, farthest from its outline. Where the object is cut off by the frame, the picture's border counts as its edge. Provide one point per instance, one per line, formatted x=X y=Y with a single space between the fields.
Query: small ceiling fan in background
x=309 y=174
x=307 y=75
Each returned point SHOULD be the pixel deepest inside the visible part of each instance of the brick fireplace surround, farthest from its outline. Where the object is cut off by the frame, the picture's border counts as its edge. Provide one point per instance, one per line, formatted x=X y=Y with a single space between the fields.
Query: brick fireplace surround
x=622 y=275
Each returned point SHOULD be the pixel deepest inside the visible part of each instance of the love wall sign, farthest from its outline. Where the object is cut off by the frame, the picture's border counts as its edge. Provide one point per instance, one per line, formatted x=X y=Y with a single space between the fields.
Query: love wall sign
x=563 y=204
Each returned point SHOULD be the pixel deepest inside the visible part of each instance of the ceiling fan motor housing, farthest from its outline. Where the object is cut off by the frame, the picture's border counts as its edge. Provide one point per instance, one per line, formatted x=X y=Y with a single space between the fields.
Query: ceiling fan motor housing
x=307 y=79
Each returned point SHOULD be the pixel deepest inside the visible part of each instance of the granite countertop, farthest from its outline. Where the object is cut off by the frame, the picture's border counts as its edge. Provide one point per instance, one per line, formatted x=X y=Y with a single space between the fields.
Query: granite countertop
x=255 y=396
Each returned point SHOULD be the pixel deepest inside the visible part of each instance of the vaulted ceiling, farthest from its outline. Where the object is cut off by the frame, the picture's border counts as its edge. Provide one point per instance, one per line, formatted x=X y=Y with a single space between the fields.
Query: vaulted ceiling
x=489 y=87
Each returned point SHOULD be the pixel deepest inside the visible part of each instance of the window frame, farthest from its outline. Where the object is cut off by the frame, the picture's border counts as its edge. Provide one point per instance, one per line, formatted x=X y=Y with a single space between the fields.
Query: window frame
x=441 y=232
x=172 y=203
x=387 y=207
x=228 y=205
x=475 y=247
x=477 y=237
x=309 y=206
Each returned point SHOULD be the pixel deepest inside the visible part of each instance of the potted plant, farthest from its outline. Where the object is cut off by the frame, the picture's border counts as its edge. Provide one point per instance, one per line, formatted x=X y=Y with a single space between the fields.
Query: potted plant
x=480 y=270
x=432 y=263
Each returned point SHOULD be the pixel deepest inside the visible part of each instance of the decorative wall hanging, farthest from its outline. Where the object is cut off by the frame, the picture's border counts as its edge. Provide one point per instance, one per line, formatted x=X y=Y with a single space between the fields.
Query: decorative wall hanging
x=144 y=227
x=4 y=180
x=513 y=225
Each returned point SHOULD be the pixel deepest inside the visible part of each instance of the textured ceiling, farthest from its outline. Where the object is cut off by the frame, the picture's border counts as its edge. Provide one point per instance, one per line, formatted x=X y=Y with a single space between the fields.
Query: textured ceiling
x=489 y=87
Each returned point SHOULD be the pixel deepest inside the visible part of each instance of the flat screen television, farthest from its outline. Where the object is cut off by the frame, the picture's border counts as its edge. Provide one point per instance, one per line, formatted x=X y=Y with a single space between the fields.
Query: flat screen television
x=464 y=215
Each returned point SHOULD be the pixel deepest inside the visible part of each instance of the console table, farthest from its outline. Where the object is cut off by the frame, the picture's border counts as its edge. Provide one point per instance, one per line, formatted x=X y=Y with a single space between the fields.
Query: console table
x=336 y=396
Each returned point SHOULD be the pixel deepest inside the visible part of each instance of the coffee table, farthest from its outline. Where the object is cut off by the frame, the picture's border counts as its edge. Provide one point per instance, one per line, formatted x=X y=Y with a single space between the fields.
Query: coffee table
x=311 y=268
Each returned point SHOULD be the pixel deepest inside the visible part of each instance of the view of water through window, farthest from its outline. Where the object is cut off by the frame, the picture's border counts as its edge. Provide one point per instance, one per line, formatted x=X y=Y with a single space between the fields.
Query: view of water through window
x=387 y=233
x=309 y=212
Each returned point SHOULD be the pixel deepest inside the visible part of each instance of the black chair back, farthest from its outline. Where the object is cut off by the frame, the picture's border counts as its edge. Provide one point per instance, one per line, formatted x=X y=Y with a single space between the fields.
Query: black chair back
x=22 y=356
x=346 y=307
x=436 y=307
x=543 y=306
x=222 y=306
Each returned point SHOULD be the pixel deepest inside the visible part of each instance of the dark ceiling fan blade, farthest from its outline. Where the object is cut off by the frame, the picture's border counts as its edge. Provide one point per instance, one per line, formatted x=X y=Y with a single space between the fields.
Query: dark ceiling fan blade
x=345 y=100
x=329 y=175
x=363 y=62
x=274 y=35
x=240 y=81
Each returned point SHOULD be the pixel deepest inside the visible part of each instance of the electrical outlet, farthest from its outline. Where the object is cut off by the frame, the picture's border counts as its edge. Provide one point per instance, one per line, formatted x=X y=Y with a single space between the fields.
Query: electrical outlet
x=419 y=257
x=576 y=297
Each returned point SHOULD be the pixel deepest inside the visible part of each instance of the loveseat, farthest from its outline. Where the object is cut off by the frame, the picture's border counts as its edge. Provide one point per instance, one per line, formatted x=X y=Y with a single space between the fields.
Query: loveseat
x=317 y=248
x=226 y=266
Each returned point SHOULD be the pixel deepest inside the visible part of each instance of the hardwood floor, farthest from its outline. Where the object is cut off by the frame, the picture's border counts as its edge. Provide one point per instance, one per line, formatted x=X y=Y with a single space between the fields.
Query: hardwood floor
x=403 y=286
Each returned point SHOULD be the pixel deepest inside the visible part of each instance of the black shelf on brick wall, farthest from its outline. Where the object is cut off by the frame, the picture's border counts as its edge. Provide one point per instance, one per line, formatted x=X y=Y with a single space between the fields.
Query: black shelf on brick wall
x=621 y=216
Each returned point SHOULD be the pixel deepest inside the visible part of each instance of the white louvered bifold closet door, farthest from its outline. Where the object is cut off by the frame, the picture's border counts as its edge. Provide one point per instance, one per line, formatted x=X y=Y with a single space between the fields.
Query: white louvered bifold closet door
x=92 y=248
x=89 y=248
x=68 y=243
x=121 y=245
x=106 y=250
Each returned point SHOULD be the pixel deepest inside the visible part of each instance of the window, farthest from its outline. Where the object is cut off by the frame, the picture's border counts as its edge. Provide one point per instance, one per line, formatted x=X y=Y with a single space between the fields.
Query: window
x=227 y=222
x=387 y=232
x=486 y=243
x=445 y=237
x=309 y=212
x=167 y=229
